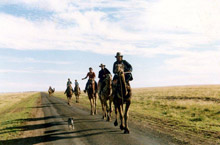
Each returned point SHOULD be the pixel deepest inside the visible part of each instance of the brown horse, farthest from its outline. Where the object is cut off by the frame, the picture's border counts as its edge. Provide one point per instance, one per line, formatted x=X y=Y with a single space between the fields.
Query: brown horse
x=69 y=92
x=51 y=91
x=122 y=95
x=77 y=92
x=104 y=96
x=92 y=97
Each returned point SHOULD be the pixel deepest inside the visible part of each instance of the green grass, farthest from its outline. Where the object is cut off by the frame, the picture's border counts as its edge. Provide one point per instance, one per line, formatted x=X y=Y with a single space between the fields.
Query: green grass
x=13 y=114
x=192 y=110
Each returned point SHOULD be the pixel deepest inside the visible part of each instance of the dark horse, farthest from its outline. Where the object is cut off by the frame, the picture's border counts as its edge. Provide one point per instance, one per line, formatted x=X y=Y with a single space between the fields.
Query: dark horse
x=77 y=92
x=105 y=95
x=69 y=92
x=122 y=95
x=92 y=96
x=51 y=91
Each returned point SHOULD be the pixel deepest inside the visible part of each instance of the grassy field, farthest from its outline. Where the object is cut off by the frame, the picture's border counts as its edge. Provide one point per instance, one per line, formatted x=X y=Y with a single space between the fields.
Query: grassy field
x=189 y=113
x=14 y=108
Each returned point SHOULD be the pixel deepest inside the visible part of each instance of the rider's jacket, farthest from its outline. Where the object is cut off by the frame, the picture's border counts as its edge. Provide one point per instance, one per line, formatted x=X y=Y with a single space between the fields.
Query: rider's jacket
x=103 y=73
x=91 y=75
x=127 y=66
x=68 y=83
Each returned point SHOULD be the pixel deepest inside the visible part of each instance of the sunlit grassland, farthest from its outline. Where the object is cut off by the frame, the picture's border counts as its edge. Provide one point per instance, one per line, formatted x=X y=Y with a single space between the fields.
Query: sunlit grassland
x=194 y=110
x=14 y=108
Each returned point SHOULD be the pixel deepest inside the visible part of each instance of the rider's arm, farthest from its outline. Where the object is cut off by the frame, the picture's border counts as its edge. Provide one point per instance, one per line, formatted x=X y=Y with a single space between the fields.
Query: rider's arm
x=86 y=76
x=99 y=74
x=114 y=69
x=128 y=65
x=107 y=71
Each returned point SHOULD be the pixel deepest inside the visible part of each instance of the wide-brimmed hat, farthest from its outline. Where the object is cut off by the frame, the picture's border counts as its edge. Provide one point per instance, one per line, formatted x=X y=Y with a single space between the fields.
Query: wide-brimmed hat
x=101 y=65
x=119 y=54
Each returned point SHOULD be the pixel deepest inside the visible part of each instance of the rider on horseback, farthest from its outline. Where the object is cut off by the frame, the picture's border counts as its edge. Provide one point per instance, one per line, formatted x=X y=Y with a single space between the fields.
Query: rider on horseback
x=76 y=85
x=68 y=82
x=102 y=75
x=91 y=79
x=127 y=69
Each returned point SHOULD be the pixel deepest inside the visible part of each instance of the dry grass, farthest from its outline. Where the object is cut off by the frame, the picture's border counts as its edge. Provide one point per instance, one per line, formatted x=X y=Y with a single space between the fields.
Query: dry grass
x=9 y=99
x=14 y=108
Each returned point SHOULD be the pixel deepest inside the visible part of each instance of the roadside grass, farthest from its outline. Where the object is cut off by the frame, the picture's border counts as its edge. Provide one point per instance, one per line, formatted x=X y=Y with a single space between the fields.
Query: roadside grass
x=190 y=110
x=15 y=108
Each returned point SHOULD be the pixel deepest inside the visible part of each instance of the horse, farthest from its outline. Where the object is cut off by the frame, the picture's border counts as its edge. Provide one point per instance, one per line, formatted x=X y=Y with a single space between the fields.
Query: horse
x=122 y=95
x=51 y=91
x=69 y=92
x=77 y=92
x=105 y=95
x=92 y=96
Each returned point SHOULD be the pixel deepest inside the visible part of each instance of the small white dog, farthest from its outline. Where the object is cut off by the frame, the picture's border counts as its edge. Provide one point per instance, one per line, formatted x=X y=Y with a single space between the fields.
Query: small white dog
x=70 y=123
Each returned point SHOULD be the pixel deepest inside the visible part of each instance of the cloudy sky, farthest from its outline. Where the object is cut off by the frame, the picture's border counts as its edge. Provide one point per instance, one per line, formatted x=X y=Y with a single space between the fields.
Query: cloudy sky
x=168 y=42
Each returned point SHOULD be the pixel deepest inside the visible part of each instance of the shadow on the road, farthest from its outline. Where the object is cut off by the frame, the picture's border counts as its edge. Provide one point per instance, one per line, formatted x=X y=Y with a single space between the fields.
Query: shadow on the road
x=30 y=119
x=42 y=106
x=58 y=136
x=76 y=121
x=30 y=127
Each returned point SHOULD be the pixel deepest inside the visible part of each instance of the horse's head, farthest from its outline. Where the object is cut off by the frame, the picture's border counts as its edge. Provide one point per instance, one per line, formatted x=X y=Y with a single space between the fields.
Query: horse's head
x=119 y=69
x=108 y=79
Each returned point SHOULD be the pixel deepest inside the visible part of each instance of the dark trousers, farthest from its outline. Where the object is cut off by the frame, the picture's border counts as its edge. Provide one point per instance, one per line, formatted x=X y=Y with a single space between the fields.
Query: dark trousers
x=90 y=81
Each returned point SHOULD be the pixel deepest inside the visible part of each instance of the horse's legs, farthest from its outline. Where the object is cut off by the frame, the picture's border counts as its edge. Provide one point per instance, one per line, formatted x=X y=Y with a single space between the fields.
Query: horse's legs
x=116 y=116
x=103 y=108
x=95 y=103
x=106 y=109
x=91 y=103
x=120 y=108
x=126 y=116
x=77 y=98
x=110 y=109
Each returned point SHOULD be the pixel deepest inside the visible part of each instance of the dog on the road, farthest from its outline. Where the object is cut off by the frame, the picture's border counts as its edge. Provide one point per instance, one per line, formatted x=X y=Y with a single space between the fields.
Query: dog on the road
x=70 y=123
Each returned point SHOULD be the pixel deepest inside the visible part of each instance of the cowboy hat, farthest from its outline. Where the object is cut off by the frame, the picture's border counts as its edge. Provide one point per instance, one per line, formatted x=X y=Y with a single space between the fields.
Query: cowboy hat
x=119 y=54
x=101 y=65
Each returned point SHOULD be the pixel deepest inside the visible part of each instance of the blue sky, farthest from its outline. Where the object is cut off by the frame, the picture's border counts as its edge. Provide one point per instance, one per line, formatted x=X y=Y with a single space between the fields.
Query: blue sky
x=168 y=42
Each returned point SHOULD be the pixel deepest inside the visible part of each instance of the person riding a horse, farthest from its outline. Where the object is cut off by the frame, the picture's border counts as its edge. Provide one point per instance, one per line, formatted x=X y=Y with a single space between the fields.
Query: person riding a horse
x=127 y=69
x=121 y=90
x=69 y=92
x=76 y=84
x=91 y=79
x=68 y=82
x=102 y=75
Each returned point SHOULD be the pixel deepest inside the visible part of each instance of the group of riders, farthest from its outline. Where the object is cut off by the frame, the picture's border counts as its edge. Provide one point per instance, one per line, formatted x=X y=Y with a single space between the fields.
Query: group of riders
x=104 y=72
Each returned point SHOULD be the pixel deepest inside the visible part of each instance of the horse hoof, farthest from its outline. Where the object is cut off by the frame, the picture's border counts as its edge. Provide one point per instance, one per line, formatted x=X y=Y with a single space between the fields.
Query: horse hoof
x=122 y=127
x=116 y=123
x=126 y=131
